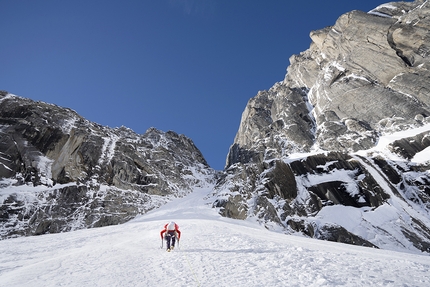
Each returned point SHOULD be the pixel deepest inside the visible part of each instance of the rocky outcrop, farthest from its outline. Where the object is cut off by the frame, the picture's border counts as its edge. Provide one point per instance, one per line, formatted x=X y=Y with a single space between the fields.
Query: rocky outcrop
x=274 y=122
x=351 y=85
x=299 y=150
x=60 y=172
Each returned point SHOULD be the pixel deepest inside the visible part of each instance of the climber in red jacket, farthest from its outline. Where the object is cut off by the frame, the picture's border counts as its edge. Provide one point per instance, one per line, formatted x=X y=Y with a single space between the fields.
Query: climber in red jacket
x=172 y=232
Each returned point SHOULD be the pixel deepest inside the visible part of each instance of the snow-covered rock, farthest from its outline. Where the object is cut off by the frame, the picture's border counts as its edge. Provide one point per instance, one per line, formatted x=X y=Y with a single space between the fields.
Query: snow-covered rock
x=60 y=172
x=306 y=147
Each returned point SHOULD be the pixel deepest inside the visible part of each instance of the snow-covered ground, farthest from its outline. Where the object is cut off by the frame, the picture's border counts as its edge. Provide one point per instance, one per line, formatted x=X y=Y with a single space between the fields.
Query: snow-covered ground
x=213 y=251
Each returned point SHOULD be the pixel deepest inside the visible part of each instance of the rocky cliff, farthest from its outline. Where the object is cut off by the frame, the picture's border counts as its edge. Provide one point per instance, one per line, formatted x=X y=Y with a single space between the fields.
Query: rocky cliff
x=60 y=172
x=306 y=147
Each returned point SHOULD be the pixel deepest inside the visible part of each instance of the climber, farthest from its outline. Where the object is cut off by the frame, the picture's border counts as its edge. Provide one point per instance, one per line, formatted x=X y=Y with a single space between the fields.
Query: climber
x=172 y=232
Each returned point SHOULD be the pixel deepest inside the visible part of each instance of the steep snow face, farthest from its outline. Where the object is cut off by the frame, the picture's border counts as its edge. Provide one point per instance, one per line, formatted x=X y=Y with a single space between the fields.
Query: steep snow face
x=213 y=251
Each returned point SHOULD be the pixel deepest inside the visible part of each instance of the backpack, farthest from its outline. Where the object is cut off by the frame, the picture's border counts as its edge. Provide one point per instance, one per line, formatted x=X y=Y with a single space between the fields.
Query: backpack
x=171 y=226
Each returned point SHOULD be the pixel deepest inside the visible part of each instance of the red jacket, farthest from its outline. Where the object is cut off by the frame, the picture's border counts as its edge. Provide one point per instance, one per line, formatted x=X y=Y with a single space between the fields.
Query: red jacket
x=177 y=232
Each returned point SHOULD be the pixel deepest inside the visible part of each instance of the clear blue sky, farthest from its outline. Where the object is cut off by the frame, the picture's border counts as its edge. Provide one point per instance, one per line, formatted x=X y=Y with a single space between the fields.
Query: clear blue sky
x=184 y=65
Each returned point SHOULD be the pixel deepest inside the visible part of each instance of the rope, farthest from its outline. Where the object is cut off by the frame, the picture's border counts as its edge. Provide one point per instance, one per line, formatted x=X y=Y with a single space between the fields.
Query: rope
x=189 y=265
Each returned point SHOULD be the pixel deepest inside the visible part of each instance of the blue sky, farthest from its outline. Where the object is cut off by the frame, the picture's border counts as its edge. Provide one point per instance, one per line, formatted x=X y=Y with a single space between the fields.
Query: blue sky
x=184 y=65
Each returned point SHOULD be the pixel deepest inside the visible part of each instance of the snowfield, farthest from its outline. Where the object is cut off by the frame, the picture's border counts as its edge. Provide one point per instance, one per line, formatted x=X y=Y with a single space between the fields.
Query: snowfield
x=213 y=251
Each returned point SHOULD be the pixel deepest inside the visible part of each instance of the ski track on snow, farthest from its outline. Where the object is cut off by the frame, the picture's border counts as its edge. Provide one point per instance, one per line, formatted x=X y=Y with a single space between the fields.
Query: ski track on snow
x=213 y=251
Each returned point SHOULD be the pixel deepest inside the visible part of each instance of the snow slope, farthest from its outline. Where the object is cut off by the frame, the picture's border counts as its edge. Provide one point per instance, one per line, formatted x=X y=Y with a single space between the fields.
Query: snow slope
x=214 y=251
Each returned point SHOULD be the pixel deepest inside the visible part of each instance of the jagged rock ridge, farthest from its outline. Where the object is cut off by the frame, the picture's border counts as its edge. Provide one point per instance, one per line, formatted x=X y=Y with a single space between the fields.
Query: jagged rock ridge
x=362 y=78
x=72 y=173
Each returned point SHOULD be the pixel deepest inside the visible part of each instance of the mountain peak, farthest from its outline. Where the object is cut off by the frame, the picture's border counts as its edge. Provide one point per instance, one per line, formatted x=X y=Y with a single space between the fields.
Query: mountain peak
x=362 y=79
x=84 y=174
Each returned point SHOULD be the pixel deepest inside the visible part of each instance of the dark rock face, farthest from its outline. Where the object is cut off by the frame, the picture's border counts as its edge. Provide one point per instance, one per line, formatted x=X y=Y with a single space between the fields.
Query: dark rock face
x=328 y=232
x=409 y=147
x=361 y=79
x=60 y=172
x=70 y=208
x=281 y=181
